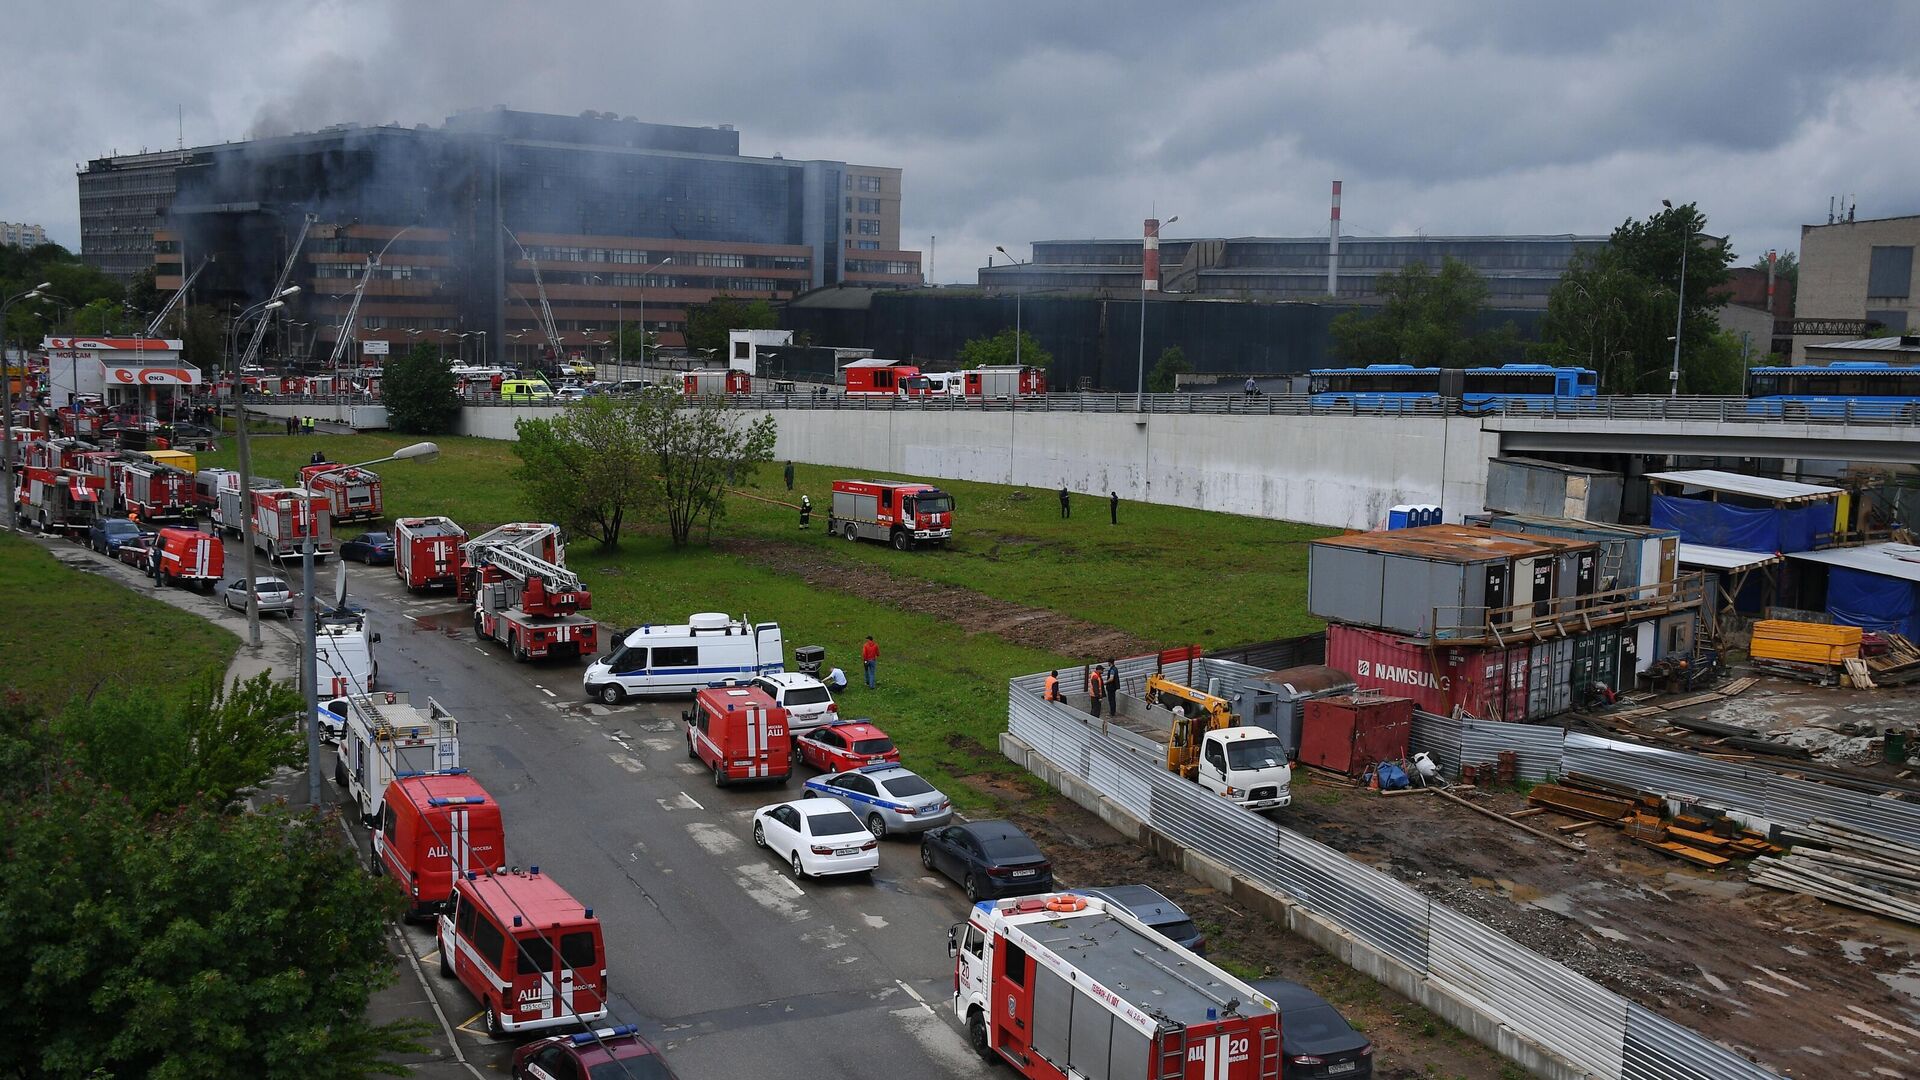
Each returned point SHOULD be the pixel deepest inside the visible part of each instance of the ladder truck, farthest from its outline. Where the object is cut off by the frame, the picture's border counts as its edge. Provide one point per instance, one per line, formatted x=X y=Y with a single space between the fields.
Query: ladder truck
x=523 y=594
x=547 y=326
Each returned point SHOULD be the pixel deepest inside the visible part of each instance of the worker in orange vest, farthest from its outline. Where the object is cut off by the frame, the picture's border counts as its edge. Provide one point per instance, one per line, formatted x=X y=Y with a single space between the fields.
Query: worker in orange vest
x=1053 y=686
x=1096 y=688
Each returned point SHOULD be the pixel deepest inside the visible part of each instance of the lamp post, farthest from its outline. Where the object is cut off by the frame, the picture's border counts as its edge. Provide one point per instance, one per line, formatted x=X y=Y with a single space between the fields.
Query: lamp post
x=272 y=303
x=643 y=309
x=1680 y=305
x=309 y=665
x=6 y=400
x=483 y=347
x=1140 y=385
x=1016 y=307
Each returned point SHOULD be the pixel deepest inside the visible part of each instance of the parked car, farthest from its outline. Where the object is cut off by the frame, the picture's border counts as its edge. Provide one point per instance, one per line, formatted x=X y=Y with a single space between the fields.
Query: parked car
x=888 y=798
x=1144 y=902
x=807 y=700
x=989 y=859
x=566 y=394
x=372 y=548
x=1315 y=1040
x=615 y=1053
x=816 y=837
x=274 y=594
x=137 y=551
x=106 y=535
x=840 y=745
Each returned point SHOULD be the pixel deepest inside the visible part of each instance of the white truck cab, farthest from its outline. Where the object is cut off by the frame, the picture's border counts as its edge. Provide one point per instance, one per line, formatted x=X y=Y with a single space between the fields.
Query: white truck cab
x=1247 y=765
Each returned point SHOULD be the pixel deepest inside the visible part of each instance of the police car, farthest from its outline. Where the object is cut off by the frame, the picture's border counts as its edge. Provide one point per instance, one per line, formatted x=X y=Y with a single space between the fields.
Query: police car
x=888 y=798
x=617 y=1052
x=840 y=745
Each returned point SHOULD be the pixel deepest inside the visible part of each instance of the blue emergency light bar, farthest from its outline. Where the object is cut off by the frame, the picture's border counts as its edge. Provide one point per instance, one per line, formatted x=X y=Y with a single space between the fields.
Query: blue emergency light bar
x=881 y=766
x=456 y=800
x=585 y=1037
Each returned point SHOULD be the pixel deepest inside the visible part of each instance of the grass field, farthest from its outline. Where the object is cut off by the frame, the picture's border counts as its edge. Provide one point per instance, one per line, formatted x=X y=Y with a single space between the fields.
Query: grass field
x=67 y=632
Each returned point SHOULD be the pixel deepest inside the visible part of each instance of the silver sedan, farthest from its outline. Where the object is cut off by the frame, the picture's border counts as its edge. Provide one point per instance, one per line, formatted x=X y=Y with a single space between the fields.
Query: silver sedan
x=274 y=594
x=888 y=798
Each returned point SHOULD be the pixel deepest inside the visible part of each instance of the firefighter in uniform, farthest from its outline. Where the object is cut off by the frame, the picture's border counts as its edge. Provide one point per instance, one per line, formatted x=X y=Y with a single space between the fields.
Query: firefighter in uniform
x=806 y=510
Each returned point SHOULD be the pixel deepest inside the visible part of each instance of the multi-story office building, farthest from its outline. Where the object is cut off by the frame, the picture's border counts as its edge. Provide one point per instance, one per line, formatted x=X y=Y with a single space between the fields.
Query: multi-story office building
x=123 y=200
x=1519 y=270
x=626 y=224
x=1856 y=279
x=25 y=236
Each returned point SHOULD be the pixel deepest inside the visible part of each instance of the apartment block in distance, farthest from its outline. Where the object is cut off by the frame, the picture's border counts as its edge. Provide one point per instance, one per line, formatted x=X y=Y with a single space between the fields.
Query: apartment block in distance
x=21 y=236
x=627 y=224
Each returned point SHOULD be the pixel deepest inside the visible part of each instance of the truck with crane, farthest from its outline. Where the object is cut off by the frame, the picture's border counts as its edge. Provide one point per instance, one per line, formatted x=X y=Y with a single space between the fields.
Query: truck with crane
x=1208 y=746
x=523 y=594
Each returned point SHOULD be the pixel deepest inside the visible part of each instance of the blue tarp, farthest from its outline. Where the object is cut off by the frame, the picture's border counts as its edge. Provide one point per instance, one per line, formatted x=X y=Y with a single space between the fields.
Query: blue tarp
x=1873 y=601
x=1743 y=528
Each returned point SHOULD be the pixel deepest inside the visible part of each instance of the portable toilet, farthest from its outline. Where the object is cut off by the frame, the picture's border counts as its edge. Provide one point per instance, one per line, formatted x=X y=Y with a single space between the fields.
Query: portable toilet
x=1403 y=517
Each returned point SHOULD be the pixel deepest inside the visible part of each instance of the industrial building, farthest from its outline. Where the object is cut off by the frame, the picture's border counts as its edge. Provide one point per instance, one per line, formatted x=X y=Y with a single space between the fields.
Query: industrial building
x=626 y=223
x=1856 y=279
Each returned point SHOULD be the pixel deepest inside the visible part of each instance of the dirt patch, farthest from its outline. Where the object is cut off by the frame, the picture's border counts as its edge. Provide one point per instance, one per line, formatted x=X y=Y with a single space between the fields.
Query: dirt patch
x=976 y=613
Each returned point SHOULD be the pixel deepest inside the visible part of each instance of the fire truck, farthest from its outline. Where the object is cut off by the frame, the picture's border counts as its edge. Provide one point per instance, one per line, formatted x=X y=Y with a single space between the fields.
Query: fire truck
x=523 y=594
x=283 y=518
x=893 y=513
x=230 y=504
x=59 y=500
x=716 y=383
x=58 y=453
x=1062 y=985
x=426 y=551
x=1004 y=382
x=353 y=494
x=874 y=377
x=189 y=555
x=154 y=492
x=383 y=736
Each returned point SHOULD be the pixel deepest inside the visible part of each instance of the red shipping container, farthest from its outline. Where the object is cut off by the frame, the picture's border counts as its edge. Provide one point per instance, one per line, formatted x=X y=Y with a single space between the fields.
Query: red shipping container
x=1487 y=683
x=1347 y=734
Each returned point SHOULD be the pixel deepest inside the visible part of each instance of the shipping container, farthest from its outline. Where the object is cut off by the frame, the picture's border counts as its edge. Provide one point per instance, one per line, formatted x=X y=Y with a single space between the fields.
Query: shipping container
x=1631 y=556
x=1448 y=581
x=1275 y=700
x=1351 y=733
x=1523 y=485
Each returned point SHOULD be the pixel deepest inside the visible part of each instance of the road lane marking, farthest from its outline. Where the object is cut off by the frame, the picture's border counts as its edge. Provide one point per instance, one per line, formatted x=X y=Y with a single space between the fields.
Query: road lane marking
x=480 y=650
x=691 y=799
x=661 y=746
x=915 y=995
x=462 y=1025
x=690 y=768
x=768 y=887
x=683 y=802
x=874 y=921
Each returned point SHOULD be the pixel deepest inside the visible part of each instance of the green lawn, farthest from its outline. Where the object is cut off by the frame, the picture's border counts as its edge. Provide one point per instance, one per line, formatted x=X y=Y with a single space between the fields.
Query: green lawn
x=470 y=482
x=67 y=632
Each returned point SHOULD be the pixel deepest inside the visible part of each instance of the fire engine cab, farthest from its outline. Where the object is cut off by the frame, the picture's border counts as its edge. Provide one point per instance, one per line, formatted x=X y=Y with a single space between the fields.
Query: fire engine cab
x=432 y=829
x=59 y=500
x=1063 y=985
x=740 y=734
x=895 y=513
x=523 y=594
x=426 y=551
x=154 y=492
x=528 y=951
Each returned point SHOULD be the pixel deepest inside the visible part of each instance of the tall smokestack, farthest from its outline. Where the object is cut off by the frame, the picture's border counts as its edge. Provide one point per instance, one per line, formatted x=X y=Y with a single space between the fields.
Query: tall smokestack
x=1150 y=257
x=1771 y=255
x=1333 y=245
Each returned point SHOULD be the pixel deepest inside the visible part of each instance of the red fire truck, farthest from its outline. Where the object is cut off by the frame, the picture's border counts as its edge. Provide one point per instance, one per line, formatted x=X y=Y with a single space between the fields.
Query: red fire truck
x=283 y=518
x=1004 y=382
x=153 y=492
x=58 y=453
x=716 y=383
x=353 y=494
x=741 y=734
x=190 y=556
x=523 y=594
x=433 y=828
x=874 y=377
x=426 y=551
x=894 y=513
x=59 y=500
x=1030 y=971
x=529 y=952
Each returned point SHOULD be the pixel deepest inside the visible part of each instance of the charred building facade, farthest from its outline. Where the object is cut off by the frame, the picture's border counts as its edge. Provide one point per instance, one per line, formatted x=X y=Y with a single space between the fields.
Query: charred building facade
x=627 y=223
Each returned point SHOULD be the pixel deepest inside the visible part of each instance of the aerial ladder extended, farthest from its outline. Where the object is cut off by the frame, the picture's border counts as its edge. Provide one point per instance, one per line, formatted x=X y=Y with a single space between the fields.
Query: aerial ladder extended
x=523 y=594
x=547 y=325
x=346 y=334
x=153 y=328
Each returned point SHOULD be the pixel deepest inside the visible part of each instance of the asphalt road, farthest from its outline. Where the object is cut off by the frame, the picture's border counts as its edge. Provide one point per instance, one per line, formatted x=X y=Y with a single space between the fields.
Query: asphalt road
x=720 y=957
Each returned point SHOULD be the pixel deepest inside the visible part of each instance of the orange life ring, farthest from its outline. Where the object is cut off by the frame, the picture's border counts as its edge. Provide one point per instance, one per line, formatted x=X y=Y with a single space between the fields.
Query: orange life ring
x=1067 y=903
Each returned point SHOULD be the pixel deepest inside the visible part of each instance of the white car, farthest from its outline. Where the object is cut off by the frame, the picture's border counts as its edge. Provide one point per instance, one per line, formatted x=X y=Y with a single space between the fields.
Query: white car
x=808 y=702
x=817 y=837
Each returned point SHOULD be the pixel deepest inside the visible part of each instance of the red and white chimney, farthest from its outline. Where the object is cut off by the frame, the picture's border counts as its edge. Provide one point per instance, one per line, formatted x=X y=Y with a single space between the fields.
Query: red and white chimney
x=1333 y=245
x=1770 y=260
x=1150 y=257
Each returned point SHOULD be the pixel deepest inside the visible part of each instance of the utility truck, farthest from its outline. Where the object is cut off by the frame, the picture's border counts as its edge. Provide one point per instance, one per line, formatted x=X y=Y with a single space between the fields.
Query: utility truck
x=1208 y=745
x=383 y=736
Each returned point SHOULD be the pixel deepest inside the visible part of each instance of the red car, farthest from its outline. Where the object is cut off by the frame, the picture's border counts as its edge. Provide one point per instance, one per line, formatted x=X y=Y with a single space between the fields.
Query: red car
x=615 y=1053
x=845 y=745
x=138 y=552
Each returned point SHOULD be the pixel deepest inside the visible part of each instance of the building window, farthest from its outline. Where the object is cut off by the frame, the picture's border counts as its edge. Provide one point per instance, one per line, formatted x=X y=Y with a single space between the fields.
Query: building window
x=869 y=228
x=866 y=245
x=1890 y=272
x=869 y=206
x=870 y=183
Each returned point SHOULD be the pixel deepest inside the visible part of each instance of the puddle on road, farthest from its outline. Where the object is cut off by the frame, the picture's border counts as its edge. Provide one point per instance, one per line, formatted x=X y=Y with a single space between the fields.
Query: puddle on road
x=453 y=624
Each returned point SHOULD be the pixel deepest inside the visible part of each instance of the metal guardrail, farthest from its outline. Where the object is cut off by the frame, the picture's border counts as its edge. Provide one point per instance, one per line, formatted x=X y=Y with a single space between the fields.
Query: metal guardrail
x=1544 y=1002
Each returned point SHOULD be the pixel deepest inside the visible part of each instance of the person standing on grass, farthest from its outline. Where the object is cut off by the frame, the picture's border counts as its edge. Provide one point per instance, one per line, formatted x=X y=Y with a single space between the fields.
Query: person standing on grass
x=1096 y=689
x=1113 y=507
x=1111 y=677
x=789 y=475
x=870 y=659
x=1066 y=503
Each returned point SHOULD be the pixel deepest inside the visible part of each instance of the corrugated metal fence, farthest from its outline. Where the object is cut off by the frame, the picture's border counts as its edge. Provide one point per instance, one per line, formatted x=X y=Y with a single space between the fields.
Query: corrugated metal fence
x=1546 y=1003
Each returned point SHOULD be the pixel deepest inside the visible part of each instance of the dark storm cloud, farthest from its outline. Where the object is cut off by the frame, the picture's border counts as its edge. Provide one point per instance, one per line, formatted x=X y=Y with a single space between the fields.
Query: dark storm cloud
x=1018 y=121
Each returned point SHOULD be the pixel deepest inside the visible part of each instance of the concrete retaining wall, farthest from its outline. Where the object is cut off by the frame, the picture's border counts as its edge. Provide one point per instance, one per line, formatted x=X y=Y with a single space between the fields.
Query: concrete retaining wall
x=1343 y=472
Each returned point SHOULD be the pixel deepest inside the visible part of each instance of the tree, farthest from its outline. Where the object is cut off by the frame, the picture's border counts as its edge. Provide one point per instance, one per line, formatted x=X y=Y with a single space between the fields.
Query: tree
x=1172 y=363
x=1596 y=318
x=636 y=343
x=102 y=316
x=708 y=323
x=205 y=342
x=588 y=467
x=418 y=388
x=999 y=351
x=1427 y=319
x=697 y=450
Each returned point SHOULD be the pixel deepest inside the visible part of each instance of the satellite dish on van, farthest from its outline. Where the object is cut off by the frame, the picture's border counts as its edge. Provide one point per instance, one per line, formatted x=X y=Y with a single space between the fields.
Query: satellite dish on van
x=340 y=585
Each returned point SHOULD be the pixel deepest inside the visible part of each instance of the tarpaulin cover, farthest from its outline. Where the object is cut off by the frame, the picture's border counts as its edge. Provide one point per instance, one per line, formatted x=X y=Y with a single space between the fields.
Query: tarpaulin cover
x=1793 y=528
x=1872 y=601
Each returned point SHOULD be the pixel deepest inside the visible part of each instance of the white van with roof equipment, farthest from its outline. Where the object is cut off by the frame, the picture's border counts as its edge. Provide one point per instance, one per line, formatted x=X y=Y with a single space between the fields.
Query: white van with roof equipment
x=709 y=648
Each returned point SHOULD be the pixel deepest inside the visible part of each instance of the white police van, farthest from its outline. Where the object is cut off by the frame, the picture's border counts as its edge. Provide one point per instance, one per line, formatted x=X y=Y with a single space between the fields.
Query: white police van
x=710 y=647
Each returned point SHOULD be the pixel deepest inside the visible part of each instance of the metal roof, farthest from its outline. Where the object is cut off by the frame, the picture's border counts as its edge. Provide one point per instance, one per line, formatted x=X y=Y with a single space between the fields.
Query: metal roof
x=1759 y=487
x=1888 y=560
x=1719 y=558
x=1149 y=976
x=1453 y=543
x=1879 y=344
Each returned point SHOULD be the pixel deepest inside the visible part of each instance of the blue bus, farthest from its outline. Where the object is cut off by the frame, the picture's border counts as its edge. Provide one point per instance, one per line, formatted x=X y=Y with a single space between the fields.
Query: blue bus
x=1862 y=389
x=1402 y=387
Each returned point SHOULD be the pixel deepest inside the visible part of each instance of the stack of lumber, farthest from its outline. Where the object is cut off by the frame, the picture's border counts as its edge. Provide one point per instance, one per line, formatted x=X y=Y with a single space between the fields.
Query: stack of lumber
x=1845 y=866
x=1897 y=662
x=1702 y=841
x=1804 y=643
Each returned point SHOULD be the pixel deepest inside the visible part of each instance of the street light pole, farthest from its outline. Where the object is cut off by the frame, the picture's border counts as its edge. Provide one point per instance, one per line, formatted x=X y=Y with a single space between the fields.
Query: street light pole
x=272 y=303
x=1680 y=304
x=1017 y=294
x=309 y=660
x=1140 y=378
x=643 y=310
x=6 y=401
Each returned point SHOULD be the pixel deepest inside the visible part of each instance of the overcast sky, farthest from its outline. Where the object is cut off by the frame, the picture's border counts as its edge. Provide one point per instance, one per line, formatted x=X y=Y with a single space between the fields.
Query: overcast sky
x=1039 y=120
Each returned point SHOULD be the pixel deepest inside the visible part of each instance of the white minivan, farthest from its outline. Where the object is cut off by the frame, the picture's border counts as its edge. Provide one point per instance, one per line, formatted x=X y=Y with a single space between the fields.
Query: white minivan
x=710 y=647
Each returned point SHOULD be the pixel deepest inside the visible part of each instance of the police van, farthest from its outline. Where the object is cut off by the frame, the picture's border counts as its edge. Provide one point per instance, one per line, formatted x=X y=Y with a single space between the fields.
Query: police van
x=710 y=647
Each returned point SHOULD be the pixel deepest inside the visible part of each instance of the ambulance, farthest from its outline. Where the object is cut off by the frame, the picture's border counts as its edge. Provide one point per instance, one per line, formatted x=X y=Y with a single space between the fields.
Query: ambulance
x=433 y=828
x=529 y=952
x=740 y=734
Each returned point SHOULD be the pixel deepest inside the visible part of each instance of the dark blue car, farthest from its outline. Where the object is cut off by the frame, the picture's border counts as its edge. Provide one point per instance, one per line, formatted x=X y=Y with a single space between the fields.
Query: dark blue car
x=372 y=548
x=106 y=535
x=987 y=859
